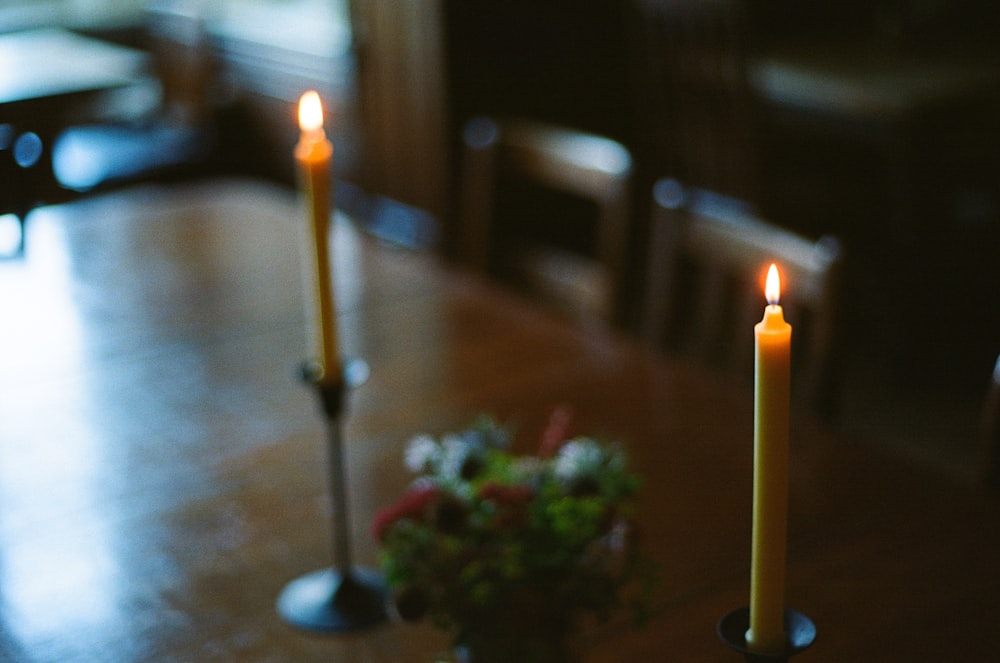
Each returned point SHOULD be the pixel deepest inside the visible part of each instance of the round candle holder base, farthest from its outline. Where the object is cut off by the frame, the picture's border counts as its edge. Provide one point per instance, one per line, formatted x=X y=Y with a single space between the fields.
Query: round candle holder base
x=801 y=631
x=334 y=602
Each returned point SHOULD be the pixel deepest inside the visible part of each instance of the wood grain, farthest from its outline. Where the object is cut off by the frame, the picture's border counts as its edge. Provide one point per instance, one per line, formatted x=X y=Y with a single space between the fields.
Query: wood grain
x=162 y=470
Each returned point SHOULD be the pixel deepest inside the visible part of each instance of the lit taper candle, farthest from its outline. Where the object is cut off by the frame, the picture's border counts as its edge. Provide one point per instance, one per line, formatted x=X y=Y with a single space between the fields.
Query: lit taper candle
x=314 y=154
x=772 y=377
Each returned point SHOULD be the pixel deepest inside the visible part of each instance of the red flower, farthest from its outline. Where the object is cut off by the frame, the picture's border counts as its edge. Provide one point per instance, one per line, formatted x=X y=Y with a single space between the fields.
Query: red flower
x=410 y=505
x=558 y=429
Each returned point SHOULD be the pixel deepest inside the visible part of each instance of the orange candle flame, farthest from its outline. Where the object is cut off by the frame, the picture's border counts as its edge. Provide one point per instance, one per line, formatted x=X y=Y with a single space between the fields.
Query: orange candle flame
x=311 y=115
x=772 y=288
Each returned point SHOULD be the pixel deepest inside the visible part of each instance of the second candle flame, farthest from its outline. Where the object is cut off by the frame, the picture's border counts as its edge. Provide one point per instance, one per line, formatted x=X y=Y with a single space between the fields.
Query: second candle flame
x=772 y=287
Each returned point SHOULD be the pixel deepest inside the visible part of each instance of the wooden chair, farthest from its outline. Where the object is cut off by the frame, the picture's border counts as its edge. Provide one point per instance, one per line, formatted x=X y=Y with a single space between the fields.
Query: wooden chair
x=990 y=430
x=708 y=255
x=578 y=264
x=695 y=108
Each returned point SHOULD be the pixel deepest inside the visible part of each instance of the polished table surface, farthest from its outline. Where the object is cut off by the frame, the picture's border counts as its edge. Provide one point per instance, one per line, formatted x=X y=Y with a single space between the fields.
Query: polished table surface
x=47 y=63
x=869 y=81
x=51 y=61
x=162 y=471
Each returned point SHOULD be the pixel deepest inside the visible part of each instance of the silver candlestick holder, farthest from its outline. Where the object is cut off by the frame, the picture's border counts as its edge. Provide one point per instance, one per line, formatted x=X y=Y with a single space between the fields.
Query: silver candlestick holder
x=799 y=629
x=342 y=597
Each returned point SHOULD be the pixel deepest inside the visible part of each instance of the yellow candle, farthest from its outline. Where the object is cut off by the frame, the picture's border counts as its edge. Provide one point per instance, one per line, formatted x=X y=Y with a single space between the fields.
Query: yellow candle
x=772 y=337
x=314 y=154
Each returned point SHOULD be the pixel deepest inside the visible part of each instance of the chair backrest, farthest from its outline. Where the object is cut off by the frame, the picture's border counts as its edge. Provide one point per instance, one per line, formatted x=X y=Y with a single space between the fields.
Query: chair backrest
x=581 y=165
x=708 y=255
x=696 y=110
x=990 y=430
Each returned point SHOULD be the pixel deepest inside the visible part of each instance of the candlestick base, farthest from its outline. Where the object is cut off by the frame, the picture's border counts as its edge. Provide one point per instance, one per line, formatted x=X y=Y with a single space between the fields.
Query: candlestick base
x=800 y=629
x=333 y=602
x=341 y=598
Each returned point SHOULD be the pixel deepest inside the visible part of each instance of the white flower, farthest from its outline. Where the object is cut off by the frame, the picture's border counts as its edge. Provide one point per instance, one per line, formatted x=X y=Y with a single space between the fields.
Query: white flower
x=422 y=453
x=454 y=451
x=579 y=457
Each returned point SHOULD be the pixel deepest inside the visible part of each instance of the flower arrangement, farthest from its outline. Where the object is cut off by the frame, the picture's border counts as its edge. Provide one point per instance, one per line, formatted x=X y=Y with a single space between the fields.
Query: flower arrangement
x=510 y=552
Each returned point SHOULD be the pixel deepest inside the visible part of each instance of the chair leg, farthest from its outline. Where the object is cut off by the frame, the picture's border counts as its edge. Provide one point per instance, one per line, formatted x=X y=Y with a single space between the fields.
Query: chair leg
x=22 y=220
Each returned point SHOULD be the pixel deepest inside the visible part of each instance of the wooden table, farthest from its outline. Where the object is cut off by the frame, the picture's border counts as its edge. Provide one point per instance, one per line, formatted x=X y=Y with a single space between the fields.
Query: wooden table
x=41 y=69
x=48 y=79
x=869 y=82
x=906 y=106
x=161 y=476
x=884 y=146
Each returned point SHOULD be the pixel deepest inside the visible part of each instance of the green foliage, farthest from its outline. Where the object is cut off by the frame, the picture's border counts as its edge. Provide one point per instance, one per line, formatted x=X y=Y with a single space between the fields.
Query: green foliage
x=486 y=543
